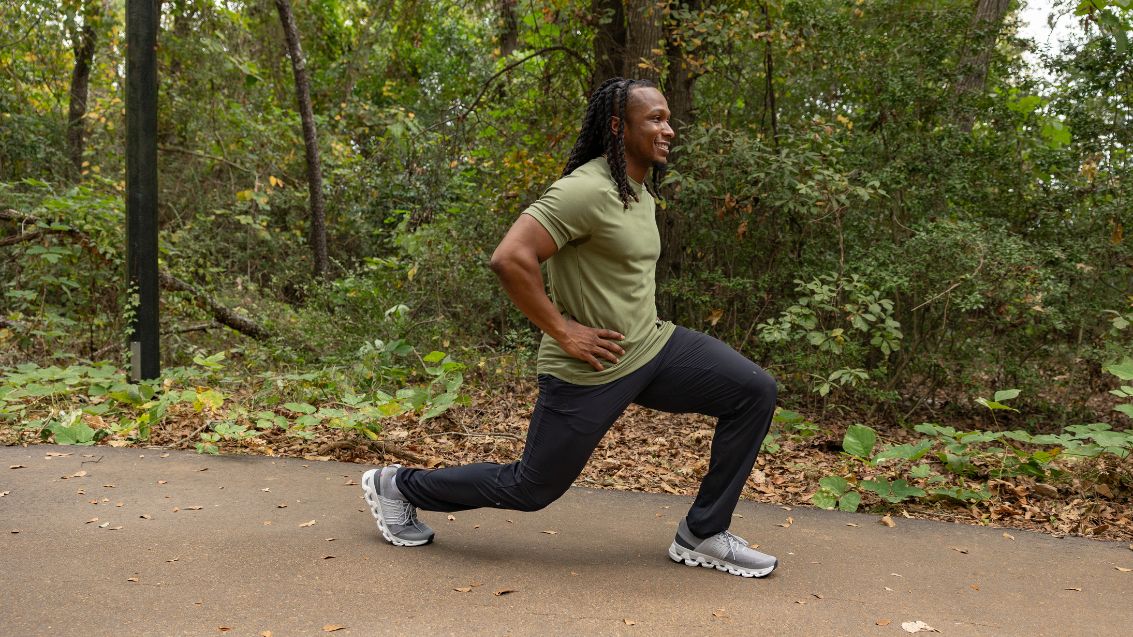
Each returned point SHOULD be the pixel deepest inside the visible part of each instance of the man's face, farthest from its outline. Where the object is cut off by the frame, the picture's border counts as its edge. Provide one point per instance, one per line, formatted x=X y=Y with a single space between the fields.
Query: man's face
x=647 y=132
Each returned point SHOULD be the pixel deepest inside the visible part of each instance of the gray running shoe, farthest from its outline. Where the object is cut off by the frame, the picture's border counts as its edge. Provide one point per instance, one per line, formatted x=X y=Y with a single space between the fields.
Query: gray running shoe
x=397 y=519
x=723 y=551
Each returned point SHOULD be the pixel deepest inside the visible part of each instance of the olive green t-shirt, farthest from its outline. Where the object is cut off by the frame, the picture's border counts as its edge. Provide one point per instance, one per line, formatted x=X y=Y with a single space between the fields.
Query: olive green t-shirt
x=603 y=274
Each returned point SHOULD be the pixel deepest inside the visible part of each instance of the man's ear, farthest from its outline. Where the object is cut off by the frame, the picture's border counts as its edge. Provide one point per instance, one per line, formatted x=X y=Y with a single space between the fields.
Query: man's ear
x=615 y=123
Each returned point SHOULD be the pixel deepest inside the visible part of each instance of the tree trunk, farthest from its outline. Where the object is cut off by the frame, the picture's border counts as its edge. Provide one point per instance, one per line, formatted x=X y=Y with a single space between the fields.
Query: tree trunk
x=986 y=25
x=609 y=40
x=678 y=91
x=681 y=77
x=83 y=46
x=769 y=75
x=644 y=55
x=509 y=27
x=318 y=232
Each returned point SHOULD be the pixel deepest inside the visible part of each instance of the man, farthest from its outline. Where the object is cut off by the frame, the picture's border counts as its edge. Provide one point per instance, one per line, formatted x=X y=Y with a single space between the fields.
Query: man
x=603 y=347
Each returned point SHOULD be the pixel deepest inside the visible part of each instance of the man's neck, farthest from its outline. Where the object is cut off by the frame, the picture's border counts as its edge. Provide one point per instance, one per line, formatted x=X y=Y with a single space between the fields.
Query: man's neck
x=636 y=173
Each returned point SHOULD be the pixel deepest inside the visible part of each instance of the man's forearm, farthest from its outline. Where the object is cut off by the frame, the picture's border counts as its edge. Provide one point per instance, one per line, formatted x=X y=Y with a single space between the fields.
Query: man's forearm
x=523 y=283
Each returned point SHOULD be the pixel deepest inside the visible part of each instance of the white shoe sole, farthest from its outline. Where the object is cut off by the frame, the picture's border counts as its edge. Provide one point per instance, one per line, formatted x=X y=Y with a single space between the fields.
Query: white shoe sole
x=370 y=494
x=678 y=553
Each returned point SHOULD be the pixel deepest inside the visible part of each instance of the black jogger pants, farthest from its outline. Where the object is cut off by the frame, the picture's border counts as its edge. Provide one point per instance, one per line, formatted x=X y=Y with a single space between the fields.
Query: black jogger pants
x=693 y=373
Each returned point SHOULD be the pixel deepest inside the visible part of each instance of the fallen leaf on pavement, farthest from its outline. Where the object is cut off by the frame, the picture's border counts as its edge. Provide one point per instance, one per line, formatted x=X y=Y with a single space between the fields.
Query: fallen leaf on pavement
x=918 y=627
x=1076 y=588
x=452 y=518
x=330 y=539
x=330 y=628
x=266 y=633
x=851 y=524
x=224 y=629
x=503 y=591
x=883 y=622
x=103 y=525
x=463 y=589
x=887 y=521
x=1123 y=569
x=79 y=474
x=16 y=466
x=959 y=550
x=4 y=493
x=719 y=612
x=266 y=490
x=551 y=532
x=1008 y=535
x=629 y=622
x=788 y=523
x=974 y=587
x=194 y=508
x=163 y=482
x=309 y=523
x=131 y=579
x=15 y=531
x=281 y=506
x=144 y=516
x=91 y=520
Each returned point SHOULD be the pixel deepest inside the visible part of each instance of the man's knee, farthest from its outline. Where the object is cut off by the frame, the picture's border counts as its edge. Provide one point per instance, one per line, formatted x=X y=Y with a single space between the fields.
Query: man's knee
x=536 y=497
x=760 y=387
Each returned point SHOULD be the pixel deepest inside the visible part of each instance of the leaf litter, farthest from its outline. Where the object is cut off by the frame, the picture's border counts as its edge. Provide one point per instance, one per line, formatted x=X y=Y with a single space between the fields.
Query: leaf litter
x=648 y=451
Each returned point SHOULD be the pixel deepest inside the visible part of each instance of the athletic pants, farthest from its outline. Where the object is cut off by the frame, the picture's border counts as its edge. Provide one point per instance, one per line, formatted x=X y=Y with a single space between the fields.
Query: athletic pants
x=692 y=373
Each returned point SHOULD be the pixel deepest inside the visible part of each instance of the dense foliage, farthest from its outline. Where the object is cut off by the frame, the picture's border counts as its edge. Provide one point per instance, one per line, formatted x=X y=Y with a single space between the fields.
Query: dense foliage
x=844 y=207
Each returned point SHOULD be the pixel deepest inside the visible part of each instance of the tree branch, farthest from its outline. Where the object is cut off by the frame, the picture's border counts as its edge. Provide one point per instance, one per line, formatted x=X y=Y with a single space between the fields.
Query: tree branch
x=222 y=314
x=509 y=67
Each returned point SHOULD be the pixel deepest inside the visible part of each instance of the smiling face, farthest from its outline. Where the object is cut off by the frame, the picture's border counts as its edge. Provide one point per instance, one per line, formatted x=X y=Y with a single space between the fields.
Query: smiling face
x=648 y=135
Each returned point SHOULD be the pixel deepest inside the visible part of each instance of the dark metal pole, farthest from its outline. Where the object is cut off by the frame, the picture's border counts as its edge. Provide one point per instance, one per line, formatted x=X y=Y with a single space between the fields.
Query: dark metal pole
x=141 y=183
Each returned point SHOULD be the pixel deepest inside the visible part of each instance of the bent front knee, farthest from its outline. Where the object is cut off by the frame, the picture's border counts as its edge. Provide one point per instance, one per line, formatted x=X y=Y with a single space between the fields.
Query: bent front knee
x=539 y=498
x=761 y=386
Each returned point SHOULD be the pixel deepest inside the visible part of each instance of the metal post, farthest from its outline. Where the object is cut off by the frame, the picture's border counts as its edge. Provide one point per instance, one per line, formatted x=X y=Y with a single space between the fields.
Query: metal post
x=141 y=183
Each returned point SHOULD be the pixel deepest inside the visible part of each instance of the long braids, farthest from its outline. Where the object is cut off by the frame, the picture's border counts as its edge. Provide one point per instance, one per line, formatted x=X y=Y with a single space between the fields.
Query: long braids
x=596 y=138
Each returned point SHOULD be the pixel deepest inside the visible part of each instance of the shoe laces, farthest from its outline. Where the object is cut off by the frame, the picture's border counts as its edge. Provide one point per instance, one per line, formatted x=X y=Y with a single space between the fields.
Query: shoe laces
x=735 y=543
x=399 y=512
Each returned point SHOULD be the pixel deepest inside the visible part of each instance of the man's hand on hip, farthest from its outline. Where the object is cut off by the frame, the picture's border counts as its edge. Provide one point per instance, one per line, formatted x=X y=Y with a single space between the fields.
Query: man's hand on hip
x=592 y=344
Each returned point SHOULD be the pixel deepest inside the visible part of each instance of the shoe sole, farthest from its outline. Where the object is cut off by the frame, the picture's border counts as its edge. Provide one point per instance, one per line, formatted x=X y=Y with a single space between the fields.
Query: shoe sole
x=370 y=494
x=680 y=554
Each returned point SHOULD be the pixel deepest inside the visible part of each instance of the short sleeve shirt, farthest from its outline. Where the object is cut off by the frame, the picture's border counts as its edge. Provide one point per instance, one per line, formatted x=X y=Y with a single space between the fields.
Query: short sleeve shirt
x=603 y=274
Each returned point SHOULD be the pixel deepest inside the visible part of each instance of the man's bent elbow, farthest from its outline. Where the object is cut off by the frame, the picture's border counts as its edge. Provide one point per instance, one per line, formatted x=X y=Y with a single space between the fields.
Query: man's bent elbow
x=498 y=263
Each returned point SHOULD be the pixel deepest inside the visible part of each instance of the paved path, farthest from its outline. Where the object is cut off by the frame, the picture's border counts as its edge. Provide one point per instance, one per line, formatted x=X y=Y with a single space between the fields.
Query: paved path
x=194 y=545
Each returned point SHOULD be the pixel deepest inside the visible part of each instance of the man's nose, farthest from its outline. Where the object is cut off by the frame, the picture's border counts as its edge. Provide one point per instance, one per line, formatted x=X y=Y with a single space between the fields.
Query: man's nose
x=668 y=131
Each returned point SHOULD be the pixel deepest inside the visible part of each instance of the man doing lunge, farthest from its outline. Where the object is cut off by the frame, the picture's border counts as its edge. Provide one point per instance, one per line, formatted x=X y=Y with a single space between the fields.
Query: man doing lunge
x=603 y=347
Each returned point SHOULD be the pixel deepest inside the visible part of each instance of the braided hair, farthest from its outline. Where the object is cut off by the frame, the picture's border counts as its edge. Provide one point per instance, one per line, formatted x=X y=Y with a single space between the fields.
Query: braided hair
x=596 y=138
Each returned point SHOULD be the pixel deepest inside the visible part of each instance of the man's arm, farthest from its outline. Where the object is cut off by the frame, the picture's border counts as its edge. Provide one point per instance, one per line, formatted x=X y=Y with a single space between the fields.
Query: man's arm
x=516 y=262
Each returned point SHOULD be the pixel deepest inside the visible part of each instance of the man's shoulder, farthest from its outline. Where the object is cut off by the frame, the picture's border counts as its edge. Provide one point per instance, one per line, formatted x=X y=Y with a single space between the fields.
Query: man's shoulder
x=591 y=181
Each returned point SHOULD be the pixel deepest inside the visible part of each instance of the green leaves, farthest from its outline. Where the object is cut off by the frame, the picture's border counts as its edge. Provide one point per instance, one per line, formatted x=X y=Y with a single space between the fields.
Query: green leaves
x=836 y=491
x=910 y=452
x=859 y=441
x=892 y=491
x=1000 y=398
x=1123 y=370
x=71 y=430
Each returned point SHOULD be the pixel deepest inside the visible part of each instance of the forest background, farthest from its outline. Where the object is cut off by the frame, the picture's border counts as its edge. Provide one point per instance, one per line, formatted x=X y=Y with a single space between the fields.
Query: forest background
x=907 y=211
